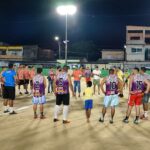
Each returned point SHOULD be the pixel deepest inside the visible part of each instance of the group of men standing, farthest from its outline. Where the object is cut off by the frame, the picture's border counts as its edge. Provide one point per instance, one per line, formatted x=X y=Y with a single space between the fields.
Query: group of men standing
x=60 y=81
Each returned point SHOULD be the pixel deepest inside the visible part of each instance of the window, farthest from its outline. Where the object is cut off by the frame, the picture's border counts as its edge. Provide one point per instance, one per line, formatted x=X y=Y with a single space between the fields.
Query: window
x=147 y=32
x=2 y=52
x=147 y=40
x=136 y=50
x=135 y=38
x=135 y=31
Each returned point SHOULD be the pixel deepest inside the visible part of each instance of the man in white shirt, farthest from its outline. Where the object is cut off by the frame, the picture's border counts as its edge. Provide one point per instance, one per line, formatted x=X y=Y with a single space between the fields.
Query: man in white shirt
x=96 y=78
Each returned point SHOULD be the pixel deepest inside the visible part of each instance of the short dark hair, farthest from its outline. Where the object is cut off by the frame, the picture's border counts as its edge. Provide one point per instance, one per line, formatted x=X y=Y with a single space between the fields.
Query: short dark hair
x=143 y=69
x=10 y=66
x=136 y=68
x=111 y=71
x=39 y=70
x=89 y=83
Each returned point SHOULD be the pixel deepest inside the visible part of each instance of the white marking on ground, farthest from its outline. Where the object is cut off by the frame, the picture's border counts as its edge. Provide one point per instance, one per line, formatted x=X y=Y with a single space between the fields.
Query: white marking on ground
x=23 y=108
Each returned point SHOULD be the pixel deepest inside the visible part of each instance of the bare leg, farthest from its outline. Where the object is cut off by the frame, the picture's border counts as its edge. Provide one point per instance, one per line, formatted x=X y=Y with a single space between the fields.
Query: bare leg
x=137 y=108
x=5 y=104
x=103 y=114
x=35 y=109
x=41 y=111
x=88 y=114
x=112 y=112
x=94 y=88
x=98 y=89
x=129 y=109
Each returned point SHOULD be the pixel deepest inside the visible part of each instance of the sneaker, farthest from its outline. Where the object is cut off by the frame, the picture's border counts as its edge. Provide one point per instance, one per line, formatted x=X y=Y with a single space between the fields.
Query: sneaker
x=26 y=92
x=101 y=120
x=6 y=111
x=136 y=121
x=66 y=121
x=35 y=116
x=111 y=122
x=20 y=93
x=143 y=117
x=125 y=120
x=12 y=113
x=55 y=120
x=42 y=117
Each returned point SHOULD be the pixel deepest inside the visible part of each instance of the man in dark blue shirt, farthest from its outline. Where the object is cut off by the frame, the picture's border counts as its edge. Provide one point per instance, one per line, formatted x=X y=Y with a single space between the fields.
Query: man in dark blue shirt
x=9 y=77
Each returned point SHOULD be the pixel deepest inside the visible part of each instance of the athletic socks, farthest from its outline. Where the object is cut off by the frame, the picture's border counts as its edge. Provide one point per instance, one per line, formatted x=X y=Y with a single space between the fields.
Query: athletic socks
x=5 y=108
x=11 y=109
x=146 y=114
x=65 y=112
x=56 y=111
x=137 y=117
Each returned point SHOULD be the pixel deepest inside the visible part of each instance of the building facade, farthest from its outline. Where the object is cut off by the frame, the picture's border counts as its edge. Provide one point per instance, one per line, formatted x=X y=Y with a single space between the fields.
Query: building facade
x=112 y=54
x=137 y=43
x=11 y=53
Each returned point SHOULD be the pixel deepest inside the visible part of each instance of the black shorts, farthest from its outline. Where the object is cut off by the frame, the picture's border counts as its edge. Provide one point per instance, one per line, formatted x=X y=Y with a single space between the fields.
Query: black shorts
x=9 y=92
x=62 y=99
x=21 y=82
x=26 y=81
x=31 y=82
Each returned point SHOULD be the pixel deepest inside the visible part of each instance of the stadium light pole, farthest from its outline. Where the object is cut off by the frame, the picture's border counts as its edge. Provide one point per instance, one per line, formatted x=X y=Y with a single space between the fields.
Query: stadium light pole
x=59 y=45
x=66 y=10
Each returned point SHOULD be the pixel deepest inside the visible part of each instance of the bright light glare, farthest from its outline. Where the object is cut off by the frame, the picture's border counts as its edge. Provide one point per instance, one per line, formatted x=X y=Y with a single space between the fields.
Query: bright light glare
x=56 y=38
x=66 y=9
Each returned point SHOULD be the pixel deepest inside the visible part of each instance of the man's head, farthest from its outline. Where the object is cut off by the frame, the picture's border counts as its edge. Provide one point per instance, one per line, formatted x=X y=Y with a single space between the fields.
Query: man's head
x=39 y=70
x=96 y=67
x=65 y=68
x=143 y=70
x=111 y=71
x=89 y=84
x=10 y=66
x=135 y=70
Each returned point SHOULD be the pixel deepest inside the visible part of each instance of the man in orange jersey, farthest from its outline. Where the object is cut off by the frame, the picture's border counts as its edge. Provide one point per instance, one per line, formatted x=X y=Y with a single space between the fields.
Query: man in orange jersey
x=20 y=78
x=26 y=74
x=32 y=74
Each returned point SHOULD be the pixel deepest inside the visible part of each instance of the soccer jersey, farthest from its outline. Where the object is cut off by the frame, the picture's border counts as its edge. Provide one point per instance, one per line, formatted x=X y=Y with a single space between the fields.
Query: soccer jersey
x=9 y=79
x=26 y=74
x=38 y=85
x=112 y=85
x=20 y=74
x=52 y=74
x=62 y=84
x=87 y=73
x=88 y=93
x=77 y=75
x=138 y=85
x=32 y=74
x=97 y=74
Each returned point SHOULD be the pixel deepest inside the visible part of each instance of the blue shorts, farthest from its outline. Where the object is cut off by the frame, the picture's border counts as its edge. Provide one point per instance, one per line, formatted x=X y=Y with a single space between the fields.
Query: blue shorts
x=111 y=100
x=39 y=100
x=88 y=104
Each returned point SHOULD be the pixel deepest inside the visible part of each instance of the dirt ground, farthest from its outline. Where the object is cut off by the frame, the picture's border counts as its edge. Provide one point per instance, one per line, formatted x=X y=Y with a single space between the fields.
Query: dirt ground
x=22 y=132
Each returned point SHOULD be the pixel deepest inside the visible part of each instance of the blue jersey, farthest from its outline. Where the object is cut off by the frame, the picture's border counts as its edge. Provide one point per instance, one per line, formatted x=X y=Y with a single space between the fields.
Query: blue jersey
x=9 y=79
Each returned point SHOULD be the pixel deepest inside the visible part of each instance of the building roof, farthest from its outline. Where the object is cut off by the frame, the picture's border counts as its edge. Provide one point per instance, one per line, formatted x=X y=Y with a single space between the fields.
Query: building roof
x=112 y=50
x=130 y=27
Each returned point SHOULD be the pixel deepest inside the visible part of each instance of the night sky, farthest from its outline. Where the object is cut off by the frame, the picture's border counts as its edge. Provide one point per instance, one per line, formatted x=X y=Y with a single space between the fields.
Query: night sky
x=101 y=21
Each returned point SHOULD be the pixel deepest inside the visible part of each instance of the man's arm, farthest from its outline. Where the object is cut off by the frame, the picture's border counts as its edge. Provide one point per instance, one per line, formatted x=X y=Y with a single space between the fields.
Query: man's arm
x=102 y=85
x=44 y=82
x=120 y=84
x=130 y=84
x=147 y=87
x=54 y=85
x=70 y=84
